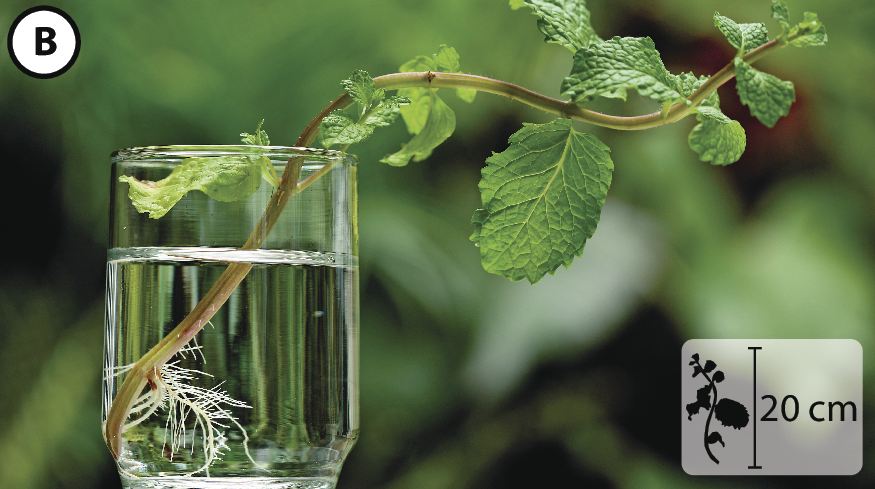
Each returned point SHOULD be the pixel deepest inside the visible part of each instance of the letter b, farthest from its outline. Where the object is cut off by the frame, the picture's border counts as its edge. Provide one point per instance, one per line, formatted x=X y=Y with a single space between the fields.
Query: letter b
x=45 y=37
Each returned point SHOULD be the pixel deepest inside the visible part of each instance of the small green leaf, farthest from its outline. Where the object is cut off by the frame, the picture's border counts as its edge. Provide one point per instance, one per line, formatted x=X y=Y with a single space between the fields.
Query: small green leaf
x=542 y=198
x=782 y=14
x=517 y=4
x=258 y=139
x=386 y=112
x=717 y=138
x=224 y=178
x=564 y=22
x=339 y=128
x=374 y=110
x=610 y=68
x=439 y=125
x=360 y=87
x=447 y=59
x=810 y=32
x=768 y=97
x=744 y=37
x=687 y=83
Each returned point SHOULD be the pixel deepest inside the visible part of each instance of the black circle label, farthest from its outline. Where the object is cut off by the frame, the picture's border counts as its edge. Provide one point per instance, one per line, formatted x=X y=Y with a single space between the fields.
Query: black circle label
x=44 y=42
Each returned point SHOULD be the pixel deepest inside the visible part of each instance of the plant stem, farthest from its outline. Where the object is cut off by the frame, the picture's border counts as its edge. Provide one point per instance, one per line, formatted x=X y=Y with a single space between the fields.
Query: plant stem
x=152 y=361
x=710 y=411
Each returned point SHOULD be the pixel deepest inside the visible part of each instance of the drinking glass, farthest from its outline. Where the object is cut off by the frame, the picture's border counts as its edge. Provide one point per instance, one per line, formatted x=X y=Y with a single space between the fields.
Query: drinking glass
x=266 y=393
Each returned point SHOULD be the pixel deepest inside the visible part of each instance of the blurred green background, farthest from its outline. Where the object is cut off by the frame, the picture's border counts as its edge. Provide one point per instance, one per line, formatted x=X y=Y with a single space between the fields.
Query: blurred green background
x=468 y=381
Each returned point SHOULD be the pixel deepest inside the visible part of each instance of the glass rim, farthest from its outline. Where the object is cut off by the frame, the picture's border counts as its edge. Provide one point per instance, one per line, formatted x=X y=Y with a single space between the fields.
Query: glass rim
x=195 y=150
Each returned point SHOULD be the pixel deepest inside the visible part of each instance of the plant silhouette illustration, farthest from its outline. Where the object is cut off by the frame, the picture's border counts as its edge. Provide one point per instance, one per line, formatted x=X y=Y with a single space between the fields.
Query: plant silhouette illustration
x=728 y=412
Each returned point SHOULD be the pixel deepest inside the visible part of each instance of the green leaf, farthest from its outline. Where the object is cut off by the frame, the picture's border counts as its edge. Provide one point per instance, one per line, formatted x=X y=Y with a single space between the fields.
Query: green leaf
x=542 y=198
x=447 y=60
x=340 y=128
x=609 y=68
x=768 y=97
x=360 y=87
x=258 y=139
x=717 y=138
x=224 y=178
x=687 y=83
x=744 y=37
x=386 y=112
x=564 y=22
x=782 y=14
x=810 y=32
x=416 y=113
x=374 y=110
x=517 y=4
x=439 y=125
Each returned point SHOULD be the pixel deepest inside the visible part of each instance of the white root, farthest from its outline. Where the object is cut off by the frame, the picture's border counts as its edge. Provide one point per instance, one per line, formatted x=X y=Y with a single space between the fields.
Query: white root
x=171 y=390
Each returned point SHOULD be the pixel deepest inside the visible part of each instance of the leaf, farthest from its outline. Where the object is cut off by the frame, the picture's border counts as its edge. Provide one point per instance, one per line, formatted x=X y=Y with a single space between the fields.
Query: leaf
x=703 y=397
x=692 y=410
x=719 y=376
x=715 y=437
x=361 y=88
x=810 y=32
x=374 y=110
x=416 y=113
x=610 y=68
x=340 y=128
x=687 y=83
x=709 y=366
x=564 y=22
x=386 y=112
x=696 y=357
x=447 y=60
x=439 y=125
x=224 y=178
x=731 y=413
x=517 y=4
x=768 y=97
x=717 y=138
x=696 y=371
x=744 y=37
x=782 y=14
x=258 y=139
x=542 y=198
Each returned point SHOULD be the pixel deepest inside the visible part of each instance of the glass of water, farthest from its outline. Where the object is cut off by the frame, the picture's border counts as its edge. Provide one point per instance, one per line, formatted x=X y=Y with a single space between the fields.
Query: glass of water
x=266 y=393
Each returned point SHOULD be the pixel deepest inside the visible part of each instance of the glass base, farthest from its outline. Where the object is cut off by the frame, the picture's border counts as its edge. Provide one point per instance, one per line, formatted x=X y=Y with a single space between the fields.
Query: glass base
x=228 y=482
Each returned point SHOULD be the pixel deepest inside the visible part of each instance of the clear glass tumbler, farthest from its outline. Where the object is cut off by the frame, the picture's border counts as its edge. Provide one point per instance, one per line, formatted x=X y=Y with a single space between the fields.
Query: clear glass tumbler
x=261 y=390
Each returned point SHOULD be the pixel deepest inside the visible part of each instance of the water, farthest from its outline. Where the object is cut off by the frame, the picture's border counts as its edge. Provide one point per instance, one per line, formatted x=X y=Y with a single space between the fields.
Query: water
x=283 y=349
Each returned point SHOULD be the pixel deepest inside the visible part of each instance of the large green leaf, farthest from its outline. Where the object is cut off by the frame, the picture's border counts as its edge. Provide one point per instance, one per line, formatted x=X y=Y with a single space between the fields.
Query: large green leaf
x=542 y=198
x=610 y=68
